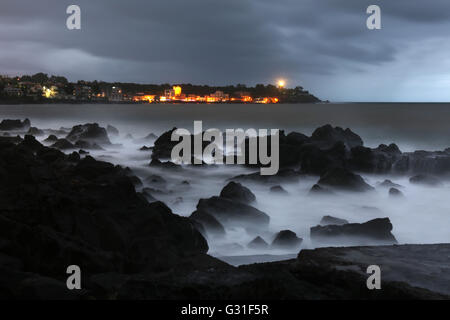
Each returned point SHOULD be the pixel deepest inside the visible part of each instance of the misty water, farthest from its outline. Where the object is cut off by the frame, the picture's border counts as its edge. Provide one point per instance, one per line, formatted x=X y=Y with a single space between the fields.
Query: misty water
x=422 y=217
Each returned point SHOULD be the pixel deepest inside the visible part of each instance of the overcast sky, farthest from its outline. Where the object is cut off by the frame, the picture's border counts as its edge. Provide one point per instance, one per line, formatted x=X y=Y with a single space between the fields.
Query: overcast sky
x=322 y=45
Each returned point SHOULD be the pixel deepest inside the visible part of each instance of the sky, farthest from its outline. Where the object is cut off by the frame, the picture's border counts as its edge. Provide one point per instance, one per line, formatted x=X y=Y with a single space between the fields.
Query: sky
x=322 y=45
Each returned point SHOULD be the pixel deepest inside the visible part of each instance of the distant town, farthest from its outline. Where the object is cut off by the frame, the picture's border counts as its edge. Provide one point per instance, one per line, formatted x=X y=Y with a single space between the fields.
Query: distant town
x=42 y=88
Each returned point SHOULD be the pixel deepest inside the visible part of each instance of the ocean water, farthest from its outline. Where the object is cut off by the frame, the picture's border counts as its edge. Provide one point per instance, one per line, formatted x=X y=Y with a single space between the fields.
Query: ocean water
x=422 y=217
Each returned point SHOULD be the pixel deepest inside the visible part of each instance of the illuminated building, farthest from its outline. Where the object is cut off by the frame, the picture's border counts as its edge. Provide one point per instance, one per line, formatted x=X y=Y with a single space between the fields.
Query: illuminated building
x=12 y=91
x=149 y=98
x=266 y=100
x=115 y=94
x=50 y=92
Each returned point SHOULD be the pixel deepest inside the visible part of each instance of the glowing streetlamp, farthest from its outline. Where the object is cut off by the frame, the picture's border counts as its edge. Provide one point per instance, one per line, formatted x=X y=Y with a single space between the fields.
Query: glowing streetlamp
x=281 y=84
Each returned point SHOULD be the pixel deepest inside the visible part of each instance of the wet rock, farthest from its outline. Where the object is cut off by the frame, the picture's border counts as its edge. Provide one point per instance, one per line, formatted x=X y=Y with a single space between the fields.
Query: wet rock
x=236 y=191
x=164 y=145
x=64 y=212
x=283 y=175
x=10 y=140
x=376 y=231
x=296 y=138
x=82 y=144
x=389 y=184
x=233 y=213
x=258 y=243
x=427 y=180
x=74 y=157
x=164 y=165
x=111 y=130
x=90 y=132
x=35 y=131
x=15 y=125
x=395 y=193
x=51 y=139
x=319 y=190
x=344 y=179
x=379 y=160
x=329 y=220
x=135 y=180
x=210 y=224
x=316 y=160
x=63 y=144
x=83 y=152
x=286 y=239
x=327 y=136
x=146 y=192
x=278 y=190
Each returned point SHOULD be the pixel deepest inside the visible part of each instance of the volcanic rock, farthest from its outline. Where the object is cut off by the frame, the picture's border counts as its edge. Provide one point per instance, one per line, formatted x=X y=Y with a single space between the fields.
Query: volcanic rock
x=236 y=191
x=286 y=239
x=373 y=231
x=340 y=178
x=258 y=243
x=329 y=220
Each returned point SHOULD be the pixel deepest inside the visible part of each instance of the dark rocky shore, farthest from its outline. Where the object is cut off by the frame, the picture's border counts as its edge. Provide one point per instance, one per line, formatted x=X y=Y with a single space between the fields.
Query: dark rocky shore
x=59 y=209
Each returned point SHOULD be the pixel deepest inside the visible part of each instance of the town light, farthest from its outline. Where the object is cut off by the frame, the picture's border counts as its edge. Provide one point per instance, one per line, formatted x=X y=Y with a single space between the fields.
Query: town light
x=281 y=83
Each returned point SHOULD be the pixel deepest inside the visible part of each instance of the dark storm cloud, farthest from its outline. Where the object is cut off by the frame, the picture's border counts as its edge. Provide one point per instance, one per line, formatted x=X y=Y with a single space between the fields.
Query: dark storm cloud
x=323 y=45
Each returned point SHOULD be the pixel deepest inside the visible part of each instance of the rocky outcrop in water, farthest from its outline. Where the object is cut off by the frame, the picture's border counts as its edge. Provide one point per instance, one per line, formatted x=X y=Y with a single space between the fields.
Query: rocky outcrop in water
x=371 y=232
x=286 y=239
x=343 y=179
x=236 y=191
x=90 y=132
x=15 y=125
x=233 y=213
x=57 y=210
x=329 y=220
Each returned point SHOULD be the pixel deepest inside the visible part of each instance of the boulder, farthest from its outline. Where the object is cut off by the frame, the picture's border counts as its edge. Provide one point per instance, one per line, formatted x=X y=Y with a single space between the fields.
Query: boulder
x=278 y=190
x=55 y=213
x=377 y=231
x=316 y=159
x=90 y=132
x=82 y=144
x=395 y=193
x=340 y=178
x=379 y=160
x=233 y=213
x=329 y=220
x=327 y=136
x=63 y=144
x=426 y=180
x=209 y=223
x=35 y=131
x=51 y=139
x=389 y=184
x=319 y=190
x=236 y=191
x=15 y=125
x=258 y=243
x=286 y=239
